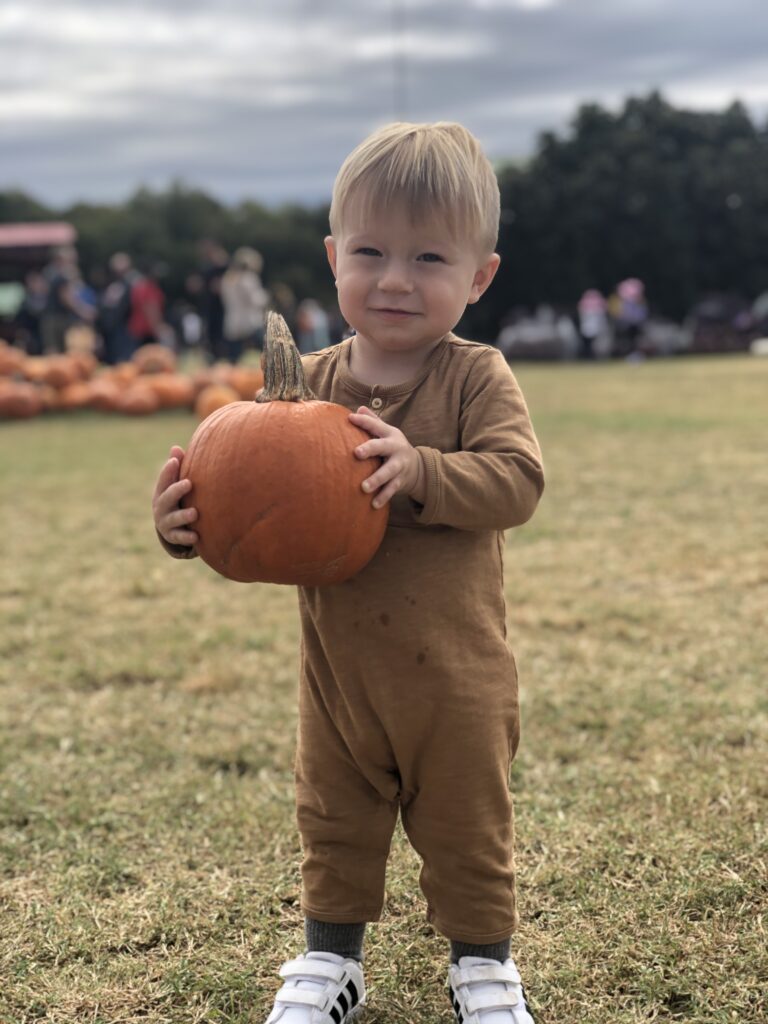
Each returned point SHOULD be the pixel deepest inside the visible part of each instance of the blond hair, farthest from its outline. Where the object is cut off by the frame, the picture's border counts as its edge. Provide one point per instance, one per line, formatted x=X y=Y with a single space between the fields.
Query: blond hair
x=434 y=169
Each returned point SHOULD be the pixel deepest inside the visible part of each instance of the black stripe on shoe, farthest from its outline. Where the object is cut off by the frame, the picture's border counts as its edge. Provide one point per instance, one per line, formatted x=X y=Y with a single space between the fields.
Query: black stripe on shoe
x=455 y=1004
x=352 y=989
x=343 y=1002
x=335 y=1014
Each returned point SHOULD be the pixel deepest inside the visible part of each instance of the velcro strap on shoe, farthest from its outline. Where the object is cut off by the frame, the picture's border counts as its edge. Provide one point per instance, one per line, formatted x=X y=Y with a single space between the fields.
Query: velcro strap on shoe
x=493 y=972
x=492 y=1001
x=311 y=969
x=291 y=996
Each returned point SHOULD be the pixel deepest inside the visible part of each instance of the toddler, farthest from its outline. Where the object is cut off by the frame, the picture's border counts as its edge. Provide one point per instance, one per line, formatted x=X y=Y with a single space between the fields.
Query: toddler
x=408 y=691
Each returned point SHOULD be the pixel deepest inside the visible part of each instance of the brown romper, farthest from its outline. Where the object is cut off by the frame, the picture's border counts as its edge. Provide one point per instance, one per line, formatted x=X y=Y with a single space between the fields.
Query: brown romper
x=408 y=689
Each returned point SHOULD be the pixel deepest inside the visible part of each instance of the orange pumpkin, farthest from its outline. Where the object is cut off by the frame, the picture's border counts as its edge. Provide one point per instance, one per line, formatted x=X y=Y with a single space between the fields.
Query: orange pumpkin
x=277 y=485
x=105 y=393
x=122 y=374
x=35 y=368
x=246 y=380
x=11 y=359
x=86 y=363
x=172 y=389
x=154 y=359
x=218 y=373
x=50 y=397
x=19 y=400
x=213 y=397
x=75 y=396
x=137 y=400
x=60 y=371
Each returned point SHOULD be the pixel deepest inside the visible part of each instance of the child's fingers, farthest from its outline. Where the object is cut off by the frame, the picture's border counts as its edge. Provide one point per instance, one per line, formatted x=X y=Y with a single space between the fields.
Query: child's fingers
x=176 y=492
x=387 y=493
x=177 y=452
x=378 y=479
x=168 y=500
x=181 y=536
x=180 y=517
x=168 y=475
x=370 y=422
x=380 y=446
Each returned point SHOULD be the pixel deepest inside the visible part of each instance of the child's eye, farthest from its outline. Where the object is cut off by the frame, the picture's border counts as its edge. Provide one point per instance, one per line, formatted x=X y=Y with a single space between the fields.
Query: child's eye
x=431 y=257
x=367 y=250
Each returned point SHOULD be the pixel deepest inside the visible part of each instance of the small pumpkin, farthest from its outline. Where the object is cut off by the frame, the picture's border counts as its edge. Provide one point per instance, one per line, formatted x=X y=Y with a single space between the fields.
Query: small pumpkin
x=35 y=368
x=105 y=393
x=137 y=400
x=49 y=396
x=154 y=358
x=173 y=390
x=86 y=362
x=11 y=359
x=19 y=400
x=213 y=397
x=74 y=396
x=217 y=373
x=60 y=371
x=123 y=374
x=246 y=380
x=276 y=482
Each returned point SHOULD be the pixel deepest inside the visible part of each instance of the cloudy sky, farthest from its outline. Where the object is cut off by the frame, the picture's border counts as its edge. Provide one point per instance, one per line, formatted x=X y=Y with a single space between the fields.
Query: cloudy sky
x=263 y=98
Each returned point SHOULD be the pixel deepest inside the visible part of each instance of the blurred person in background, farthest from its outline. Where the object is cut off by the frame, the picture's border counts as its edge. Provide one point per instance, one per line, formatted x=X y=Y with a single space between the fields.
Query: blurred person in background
x=283 y=301
x=312 y=327
x=146 y=322
x=629 y=310
x=594 y=326
x=31 y=311
x=245 y=302
x=64 y=307
x=115 y=309
x=214 y=262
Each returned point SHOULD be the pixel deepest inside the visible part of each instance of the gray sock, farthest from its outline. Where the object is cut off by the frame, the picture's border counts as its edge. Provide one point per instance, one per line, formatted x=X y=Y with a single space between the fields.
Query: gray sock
x=343 y=939
x=493 y=951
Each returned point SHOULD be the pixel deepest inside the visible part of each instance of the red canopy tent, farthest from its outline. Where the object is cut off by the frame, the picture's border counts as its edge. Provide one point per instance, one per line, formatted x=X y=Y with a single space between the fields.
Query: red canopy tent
x=25 y=247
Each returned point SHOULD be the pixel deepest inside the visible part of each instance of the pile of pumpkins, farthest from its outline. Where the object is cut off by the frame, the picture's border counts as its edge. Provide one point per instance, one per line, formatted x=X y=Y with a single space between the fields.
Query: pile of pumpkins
x=30 y=385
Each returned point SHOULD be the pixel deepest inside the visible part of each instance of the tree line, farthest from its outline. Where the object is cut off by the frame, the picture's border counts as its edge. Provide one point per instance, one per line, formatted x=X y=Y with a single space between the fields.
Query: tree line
x=678 y=198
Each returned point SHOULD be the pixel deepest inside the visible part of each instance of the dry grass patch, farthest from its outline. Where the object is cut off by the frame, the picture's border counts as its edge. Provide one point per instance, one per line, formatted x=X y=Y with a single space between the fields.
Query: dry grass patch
x=148 y=856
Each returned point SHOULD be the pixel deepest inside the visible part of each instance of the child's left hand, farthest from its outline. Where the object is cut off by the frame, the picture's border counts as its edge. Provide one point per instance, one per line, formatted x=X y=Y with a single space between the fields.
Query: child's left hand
x=402 y=468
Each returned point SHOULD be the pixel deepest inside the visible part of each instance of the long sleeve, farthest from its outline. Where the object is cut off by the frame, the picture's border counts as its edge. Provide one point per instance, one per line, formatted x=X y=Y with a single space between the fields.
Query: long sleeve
x=496 y=479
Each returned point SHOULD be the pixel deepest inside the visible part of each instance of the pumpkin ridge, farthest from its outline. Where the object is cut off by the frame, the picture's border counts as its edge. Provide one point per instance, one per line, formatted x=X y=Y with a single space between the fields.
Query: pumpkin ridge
x=239 y=542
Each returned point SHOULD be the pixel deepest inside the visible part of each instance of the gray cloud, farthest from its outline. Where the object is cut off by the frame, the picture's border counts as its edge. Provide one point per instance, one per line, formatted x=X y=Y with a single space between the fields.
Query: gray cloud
x=264 y=100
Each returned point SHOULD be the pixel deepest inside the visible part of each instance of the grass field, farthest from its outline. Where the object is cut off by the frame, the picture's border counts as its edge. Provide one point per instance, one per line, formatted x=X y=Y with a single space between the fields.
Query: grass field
x=148 y=856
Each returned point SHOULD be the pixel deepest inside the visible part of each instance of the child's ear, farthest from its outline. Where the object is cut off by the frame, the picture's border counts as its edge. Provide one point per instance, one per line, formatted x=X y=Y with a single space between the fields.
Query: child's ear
x=483 y=277
x=330 y=250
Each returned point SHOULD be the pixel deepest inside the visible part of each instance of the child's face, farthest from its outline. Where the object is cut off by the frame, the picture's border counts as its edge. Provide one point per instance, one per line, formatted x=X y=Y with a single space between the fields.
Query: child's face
x=403 y=285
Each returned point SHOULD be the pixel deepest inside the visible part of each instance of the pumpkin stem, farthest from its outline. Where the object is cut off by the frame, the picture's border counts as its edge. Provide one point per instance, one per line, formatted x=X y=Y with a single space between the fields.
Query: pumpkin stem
x=281 y=362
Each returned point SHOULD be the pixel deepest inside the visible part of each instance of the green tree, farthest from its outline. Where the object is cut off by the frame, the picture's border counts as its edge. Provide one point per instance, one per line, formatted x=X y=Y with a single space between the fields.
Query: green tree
x=677 y=198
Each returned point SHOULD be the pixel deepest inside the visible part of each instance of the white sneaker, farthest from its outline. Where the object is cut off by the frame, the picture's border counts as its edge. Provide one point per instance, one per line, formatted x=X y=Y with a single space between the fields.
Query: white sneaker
x=487 y=992
x=320 y=988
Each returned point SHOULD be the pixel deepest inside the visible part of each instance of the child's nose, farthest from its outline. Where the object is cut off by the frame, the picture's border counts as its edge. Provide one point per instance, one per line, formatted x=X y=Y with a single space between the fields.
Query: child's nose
x=394 y=277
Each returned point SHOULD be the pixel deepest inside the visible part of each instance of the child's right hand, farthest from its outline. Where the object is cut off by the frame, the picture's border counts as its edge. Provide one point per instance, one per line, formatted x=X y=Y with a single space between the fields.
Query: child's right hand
x=171 y=521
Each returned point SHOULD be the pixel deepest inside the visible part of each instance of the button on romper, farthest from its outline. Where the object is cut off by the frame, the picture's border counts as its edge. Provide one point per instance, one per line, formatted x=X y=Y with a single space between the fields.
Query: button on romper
x=408 y=688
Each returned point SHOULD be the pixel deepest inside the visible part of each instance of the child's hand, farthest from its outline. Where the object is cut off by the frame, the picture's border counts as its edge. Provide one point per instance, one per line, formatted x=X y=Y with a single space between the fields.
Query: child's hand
x=170 y=520
x=402 y=468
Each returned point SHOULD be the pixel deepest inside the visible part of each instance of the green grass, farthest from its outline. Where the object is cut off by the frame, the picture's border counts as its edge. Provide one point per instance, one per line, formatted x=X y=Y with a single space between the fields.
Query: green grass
x=148 y=855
